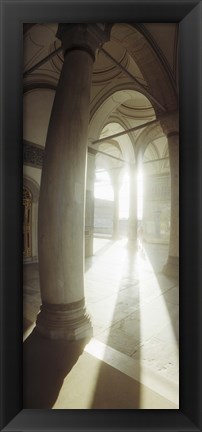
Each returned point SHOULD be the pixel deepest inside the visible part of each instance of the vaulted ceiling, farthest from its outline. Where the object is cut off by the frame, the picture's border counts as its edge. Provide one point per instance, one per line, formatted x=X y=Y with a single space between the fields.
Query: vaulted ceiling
x=135 y=78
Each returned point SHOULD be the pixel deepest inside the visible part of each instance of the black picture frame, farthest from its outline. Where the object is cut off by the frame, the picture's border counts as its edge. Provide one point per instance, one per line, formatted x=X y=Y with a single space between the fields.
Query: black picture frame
x=13 y=15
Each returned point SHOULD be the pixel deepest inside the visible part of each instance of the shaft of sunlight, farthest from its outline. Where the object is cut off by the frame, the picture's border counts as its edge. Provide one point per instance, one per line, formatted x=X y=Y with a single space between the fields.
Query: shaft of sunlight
x=140 y=195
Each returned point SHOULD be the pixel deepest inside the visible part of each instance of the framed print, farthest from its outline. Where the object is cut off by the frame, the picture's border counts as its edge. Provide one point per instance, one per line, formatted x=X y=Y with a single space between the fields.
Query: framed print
x=101 y=159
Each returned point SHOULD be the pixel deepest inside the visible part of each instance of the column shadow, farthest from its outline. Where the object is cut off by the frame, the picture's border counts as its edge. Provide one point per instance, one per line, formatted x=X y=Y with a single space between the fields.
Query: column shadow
x=45 y=365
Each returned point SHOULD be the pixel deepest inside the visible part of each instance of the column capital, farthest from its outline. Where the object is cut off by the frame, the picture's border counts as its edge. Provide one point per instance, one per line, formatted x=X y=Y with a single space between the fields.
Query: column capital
x=170 y=124
x=87 y=37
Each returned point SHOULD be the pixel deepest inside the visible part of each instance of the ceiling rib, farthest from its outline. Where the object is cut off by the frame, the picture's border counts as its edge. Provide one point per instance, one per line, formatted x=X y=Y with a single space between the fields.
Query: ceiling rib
x=42 y=62
x=134 y=79
x=121 y=67
x=49 y=56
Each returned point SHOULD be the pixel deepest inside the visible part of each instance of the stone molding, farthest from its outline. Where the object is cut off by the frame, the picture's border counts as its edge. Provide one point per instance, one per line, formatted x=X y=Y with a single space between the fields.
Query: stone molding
x=62 y=307
x=64 y=322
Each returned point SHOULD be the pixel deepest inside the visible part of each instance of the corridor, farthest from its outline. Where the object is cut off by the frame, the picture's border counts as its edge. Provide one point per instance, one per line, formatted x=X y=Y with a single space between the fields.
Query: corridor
x=132 y=359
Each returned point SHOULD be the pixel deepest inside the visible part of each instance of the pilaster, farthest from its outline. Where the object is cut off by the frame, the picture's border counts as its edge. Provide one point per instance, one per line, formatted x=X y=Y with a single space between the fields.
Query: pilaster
x=171 y=128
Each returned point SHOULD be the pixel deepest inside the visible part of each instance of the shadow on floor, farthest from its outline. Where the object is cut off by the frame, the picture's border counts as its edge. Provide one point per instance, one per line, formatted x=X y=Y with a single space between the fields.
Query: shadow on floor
x=45 y=365
x=171 y=295
x=115 y=390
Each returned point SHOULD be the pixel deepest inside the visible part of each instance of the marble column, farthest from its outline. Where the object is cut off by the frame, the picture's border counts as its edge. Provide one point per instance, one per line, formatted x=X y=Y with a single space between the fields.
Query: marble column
x=63 y=313
x=89 y=213
x=171 y=129
x=132 y=222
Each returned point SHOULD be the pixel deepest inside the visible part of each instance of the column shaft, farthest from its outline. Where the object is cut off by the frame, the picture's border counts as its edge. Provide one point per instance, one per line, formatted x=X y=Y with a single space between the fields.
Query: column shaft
x=61 y=206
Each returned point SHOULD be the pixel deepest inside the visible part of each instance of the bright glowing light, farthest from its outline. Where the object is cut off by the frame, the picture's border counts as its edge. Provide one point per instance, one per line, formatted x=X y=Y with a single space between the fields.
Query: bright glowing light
x=140 y=195
x=102 y=186
x=124 y=198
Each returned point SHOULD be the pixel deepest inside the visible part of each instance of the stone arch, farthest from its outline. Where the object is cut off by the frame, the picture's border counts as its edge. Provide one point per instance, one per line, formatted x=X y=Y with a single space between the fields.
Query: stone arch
x=123 y=143
x=150 y=133
x=33 y=186
x=151 y=64
x=106 y=107
x=120 y=90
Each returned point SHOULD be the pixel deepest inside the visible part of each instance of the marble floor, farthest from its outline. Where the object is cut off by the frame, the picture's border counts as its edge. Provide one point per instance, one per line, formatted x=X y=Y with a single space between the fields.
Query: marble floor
x=134 y=309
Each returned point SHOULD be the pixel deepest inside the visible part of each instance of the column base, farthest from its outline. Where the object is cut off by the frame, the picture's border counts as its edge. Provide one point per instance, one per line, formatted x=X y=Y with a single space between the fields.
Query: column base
x=64 y=321
x=171 y=268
